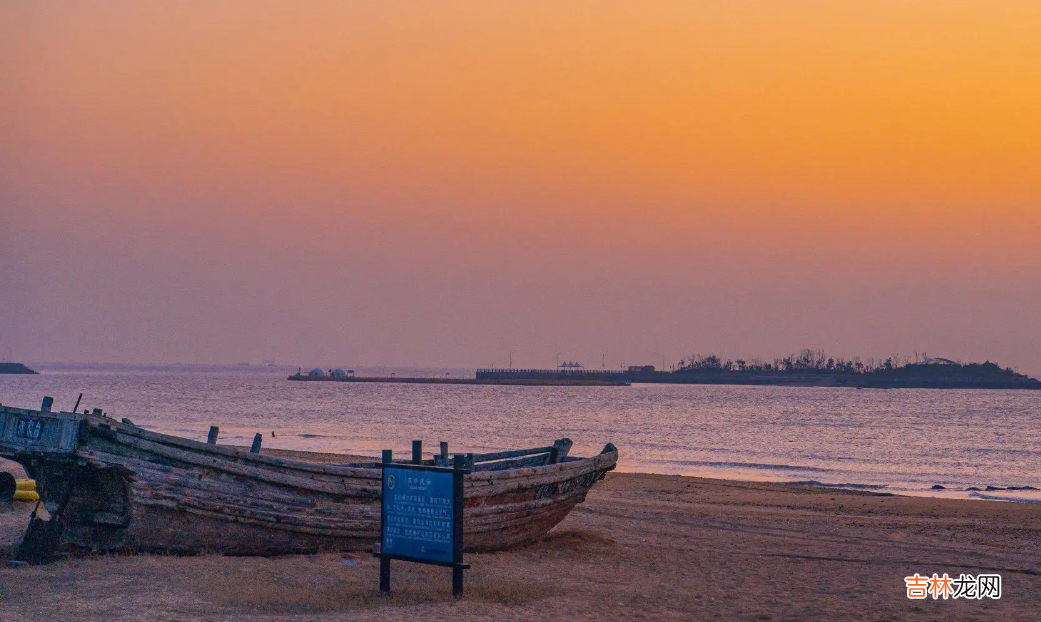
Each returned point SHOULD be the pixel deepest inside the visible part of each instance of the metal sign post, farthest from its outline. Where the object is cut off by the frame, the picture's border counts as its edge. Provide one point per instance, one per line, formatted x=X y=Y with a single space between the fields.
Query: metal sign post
x=422 y=517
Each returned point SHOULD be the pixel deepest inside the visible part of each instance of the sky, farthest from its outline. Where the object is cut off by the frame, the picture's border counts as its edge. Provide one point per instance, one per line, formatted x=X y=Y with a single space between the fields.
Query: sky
x=444 y=183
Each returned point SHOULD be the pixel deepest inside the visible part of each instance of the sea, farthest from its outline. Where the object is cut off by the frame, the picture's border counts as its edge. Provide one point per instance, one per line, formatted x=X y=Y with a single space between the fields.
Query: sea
x=983 y=444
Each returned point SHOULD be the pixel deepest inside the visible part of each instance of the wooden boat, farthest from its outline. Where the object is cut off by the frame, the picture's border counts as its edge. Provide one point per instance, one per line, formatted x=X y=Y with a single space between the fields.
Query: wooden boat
x=112 y=486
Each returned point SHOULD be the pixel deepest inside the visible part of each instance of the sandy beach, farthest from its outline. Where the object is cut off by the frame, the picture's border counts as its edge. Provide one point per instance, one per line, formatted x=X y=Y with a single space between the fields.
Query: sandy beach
x=641 y=547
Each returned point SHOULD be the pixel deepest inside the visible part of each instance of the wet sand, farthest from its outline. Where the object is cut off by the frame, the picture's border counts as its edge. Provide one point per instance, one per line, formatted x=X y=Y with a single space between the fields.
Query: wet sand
x=642 y=547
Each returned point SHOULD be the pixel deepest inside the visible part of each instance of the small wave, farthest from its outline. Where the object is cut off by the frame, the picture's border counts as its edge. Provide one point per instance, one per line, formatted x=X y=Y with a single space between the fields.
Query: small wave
x=998 y=488
x=817 y=484
x=978 y=495
x=314 y=436
x=747 y=465
x=1004 y=451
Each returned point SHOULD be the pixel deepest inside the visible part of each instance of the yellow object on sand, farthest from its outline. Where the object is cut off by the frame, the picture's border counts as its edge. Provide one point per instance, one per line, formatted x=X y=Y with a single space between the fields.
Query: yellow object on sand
x=25 y=490
x=26 y=495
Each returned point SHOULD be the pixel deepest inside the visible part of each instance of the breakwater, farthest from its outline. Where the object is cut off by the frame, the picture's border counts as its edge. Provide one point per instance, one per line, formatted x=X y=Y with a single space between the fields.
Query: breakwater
x=541 y=382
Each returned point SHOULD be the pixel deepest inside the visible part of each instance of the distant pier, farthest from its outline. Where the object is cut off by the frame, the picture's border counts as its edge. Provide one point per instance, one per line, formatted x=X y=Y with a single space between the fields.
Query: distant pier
x=524 y=382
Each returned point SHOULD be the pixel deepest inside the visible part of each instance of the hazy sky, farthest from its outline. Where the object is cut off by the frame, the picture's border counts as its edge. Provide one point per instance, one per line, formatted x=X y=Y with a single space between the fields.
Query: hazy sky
x=441 y=183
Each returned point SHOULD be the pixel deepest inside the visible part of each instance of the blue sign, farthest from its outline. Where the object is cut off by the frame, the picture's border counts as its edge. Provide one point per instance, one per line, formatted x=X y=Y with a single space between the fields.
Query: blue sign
x=418 y=514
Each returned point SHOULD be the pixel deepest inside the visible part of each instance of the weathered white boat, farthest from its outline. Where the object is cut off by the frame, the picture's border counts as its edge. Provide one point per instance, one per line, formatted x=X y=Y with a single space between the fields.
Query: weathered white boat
x=109 y=485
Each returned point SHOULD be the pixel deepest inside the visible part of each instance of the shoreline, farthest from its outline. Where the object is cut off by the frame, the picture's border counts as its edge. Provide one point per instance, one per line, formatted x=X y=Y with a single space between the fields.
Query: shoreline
x=1023 y=494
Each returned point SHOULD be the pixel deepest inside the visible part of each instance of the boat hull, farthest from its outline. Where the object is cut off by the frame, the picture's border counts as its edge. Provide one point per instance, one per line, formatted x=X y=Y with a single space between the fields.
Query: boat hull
x=128 y=489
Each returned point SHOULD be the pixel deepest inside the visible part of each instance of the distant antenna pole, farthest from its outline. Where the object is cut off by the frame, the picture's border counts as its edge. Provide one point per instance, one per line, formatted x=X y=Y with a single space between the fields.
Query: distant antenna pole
x=603 y=361
x=511 y=359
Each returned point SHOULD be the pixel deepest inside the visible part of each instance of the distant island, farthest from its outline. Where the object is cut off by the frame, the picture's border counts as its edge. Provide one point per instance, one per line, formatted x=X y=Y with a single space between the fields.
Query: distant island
x=808 y=368
x=817 y=368
x=15 y=368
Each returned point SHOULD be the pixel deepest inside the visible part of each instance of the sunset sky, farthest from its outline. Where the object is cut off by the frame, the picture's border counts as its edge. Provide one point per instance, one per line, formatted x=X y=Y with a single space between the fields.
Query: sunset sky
x=442 y=183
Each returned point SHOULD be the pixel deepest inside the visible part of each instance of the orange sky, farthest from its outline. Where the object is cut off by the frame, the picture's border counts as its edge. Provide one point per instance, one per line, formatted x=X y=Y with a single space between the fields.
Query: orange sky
x=442 y=182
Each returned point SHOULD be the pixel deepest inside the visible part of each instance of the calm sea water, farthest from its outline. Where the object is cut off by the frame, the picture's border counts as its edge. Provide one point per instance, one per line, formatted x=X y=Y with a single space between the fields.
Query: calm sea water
x=902 y=441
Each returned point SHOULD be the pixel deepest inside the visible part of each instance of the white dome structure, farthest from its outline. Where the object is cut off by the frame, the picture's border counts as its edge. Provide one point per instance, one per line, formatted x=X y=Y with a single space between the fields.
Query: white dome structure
x=339 y=373
x=316 y=373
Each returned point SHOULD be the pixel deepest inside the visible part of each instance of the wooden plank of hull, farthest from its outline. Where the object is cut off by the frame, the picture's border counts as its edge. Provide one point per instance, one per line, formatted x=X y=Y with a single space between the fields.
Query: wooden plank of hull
x=173 y=529
x=495 y=516
x=234 y=454
x=360 y=482
x=177 y=530
x=530 y=530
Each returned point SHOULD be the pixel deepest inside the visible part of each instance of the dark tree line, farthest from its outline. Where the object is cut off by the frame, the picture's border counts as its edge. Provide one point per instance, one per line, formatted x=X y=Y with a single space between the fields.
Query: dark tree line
x=820 y=362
